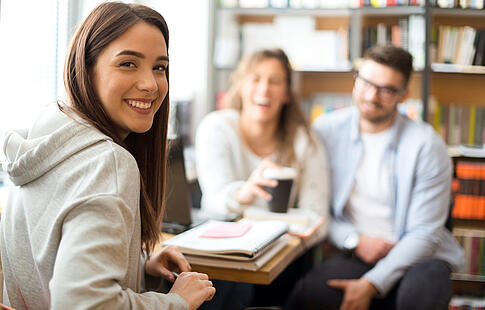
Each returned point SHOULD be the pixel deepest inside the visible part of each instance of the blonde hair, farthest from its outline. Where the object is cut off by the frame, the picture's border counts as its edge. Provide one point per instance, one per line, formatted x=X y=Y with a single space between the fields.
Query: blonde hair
x=292 y=117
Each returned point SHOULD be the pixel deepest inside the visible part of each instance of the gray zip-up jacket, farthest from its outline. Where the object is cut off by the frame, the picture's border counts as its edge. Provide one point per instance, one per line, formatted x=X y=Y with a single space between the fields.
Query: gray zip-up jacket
x=71 y=236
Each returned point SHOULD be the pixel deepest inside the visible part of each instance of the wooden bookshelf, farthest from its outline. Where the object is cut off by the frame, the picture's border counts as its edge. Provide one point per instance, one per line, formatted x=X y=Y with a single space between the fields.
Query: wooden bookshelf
x=458 y=88
x=447 y=83
x=337 y=79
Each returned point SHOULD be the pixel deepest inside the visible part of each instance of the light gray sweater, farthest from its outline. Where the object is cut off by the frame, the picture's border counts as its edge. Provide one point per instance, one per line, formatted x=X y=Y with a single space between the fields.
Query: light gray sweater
x=71 y=236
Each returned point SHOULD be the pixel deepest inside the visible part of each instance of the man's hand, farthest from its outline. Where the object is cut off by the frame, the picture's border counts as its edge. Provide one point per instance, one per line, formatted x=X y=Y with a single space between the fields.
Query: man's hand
x=357 y=293
x=164 y=262
x=372 y=249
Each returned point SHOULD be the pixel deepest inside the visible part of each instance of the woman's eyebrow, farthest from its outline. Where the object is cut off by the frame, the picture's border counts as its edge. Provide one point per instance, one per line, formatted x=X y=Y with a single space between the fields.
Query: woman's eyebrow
x=138 y=54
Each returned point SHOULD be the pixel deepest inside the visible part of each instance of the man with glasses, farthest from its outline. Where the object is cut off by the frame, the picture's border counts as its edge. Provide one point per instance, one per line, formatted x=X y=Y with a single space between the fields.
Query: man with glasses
x=391 y=180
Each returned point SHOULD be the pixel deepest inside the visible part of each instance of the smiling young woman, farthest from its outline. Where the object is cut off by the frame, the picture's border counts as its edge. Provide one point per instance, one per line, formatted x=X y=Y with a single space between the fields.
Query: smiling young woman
x=90 y=178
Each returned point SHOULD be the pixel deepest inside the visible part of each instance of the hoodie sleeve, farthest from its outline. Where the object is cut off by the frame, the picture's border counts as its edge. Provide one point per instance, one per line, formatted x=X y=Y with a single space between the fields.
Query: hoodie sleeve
x=92 y=261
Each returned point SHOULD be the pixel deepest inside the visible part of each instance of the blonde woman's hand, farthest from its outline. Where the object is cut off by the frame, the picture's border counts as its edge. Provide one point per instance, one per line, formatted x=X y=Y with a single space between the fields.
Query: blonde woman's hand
x=164 y=262
x=194 y=288
x=253 y=187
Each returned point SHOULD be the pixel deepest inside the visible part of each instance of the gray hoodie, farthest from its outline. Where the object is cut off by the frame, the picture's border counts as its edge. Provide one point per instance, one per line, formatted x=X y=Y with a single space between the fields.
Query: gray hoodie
x=71 y=227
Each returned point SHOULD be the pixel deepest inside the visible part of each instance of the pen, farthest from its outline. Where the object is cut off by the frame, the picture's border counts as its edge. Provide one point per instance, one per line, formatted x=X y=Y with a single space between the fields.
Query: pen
x=175 y=275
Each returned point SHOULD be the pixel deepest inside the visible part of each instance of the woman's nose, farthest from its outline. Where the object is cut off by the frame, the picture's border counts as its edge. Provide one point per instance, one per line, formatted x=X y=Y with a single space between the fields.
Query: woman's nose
x=147 y=82
x=263 y=86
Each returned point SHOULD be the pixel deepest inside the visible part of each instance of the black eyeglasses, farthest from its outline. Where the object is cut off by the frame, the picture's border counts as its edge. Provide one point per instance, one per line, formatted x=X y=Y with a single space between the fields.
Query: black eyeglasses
x=385 y=92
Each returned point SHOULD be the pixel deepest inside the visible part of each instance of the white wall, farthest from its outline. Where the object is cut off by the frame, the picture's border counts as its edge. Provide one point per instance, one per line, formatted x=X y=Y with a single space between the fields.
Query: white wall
x=28 y=60
x=188 y=23
x=33 y=43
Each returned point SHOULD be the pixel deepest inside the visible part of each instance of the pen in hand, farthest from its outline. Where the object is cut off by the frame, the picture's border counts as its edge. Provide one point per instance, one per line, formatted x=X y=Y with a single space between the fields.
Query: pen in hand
x=175 y=275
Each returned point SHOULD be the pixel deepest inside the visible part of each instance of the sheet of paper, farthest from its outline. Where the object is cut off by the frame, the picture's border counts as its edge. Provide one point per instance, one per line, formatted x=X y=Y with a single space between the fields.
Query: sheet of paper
x=226 y=230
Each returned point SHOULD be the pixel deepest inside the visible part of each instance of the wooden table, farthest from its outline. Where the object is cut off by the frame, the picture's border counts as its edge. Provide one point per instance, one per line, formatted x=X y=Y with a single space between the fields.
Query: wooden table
x=265 y=275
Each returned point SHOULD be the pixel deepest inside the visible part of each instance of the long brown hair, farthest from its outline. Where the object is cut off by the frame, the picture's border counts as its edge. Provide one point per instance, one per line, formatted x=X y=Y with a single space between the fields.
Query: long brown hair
x=105 y=23
x=291 y=117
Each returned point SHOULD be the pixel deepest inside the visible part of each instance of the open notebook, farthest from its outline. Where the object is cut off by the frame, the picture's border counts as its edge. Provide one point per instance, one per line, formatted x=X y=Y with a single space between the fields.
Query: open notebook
x=246 y=246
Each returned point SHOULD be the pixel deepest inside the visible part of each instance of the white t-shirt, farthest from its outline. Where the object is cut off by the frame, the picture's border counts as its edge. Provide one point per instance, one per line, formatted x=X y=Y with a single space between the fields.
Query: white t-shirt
x=370 y=203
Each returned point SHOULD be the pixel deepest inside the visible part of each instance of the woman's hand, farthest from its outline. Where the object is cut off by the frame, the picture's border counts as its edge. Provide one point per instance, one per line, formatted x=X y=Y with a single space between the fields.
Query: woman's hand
x=194 y=288
x=164 y=262
x=253 y=187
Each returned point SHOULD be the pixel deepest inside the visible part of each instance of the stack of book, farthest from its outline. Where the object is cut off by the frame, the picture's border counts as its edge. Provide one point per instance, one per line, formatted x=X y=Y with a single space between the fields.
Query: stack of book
x=314 y=4
x=458 y=45
x=473 y=242
x=408 y=33
x=463 y=302
x=464 y=4
x=469 y=190
x=458 y=124
x=244 y=245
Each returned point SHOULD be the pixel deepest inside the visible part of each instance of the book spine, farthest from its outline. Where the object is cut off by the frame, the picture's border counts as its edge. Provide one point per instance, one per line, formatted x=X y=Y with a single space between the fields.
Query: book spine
x=474 y=254
x=471 y=127
x=481 y=257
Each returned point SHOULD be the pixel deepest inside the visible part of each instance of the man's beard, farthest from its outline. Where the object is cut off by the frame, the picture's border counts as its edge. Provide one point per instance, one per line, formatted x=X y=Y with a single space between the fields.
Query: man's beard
x=380 y=118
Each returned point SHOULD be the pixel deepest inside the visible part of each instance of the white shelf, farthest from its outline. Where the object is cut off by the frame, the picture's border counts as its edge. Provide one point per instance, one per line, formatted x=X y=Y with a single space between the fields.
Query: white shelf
x=457 y=12
x=389 y=11
x=288 y=11
x=451 y=68
x=395 y=10
x=467 y=277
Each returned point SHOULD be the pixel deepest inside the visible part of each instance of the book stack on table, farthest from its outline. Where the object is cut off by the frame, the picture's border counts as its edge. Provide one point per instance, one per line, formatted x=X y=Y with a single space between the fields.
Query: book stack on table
x=245 y=245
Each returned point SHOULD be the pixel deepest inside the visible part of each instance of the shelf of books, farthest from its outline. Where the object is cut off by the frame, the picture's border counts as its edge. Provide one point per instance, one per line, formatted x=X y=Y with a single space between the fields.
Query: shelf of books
x=458 y=123
x=473 y=242
x=458 y=5
x=316 y=4
x=472 y=303
x=468 y=192
x=338 y=32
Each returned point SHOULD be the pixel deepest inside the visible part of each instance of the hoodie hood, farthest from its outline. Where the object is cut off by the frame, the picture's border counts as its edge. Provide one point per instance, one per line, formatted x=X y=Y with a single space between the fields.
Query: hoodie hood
x=53 y=138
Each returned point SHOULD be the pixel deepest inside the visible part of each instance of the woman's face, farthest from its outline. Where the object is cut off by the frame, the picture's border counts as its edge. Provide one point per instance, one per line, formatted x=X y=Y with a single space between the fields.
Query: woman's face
x=264 y=91
x=129 y=78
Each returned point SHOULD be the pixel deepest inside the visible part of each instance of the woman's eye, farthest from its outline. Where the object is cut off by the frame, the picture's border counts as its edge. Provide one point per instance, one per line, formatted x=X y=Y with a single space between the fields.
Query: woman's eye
x=127 y=64
x=161 y=68
x=276 y=81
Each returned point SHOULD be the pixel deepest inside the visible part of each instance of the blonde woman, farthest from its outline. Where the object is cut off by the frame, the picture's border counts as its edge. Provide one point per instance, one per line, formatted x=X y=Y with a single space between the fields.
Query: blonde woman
x=263 y=127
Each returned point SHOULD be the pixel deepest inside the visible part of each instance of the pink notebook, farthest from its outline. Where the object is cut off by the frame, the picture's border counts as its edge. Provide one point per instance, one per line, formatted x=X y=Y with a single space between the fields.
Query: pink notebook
x=226 y=230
